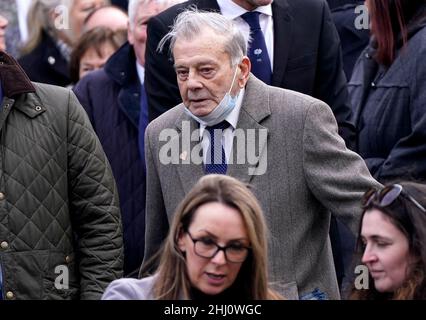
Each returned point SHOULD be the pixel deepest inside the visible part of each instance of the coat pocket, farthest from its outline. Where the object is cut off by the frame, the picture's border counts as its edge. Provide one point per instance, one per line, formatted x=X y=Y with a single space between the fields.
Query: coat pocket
x=60 y=281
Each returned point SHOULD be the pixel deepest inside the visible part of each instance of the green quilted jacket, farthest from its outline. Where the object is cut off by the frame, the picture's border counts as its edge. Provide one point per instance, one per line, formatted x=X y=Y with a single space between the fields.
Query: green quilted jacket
x=60 y=224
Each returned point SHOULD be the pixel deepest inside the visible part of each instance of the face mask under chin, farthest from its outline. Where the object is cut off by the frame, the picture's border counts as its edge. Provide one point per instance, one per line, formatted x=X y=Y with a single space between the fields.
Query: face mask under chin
x=222 y=110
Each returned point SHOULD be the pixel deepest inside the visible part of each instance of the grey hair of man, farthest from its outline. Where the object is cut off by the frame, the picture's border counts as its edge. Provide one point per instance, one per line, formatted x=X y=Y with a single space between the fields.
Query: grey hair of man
x=191 y=23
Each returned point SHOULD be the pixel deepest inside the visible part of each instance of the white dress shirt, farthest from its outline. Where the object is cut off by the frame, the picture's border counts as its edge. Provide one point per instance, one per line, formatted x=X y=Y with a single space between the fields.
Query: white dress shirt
x=228 y=133
x=233 y=11
x=141 y=72
x=22 y=7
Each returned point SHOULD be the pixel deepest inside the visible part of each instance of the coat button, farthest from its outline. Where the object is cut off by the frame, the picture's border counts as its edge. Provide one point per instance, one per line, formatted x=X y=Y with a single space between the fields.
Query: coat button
x=4 y=245
x=51 y=60
x=38 y=108
x=373 y=84
x=2 y=196
x=67 y=259
x=10 y=295
x=367 y=55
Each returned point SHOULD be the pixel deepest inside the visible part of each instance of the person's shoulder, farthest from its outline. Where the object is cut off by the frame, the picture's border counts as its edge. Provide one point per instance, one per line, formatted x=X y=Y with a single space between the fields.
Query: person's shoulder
x=305 y=4
x=167 y=119
x=97 y=79
x=49 y=92
x=418 y=40
x=130 y=289
x=281 y=97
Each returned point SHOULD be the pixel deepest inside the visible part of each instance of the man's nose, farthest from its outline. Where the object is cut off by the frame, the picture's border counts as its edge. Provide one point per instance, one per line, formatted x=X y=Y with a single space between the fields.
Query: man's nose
x=193 y=81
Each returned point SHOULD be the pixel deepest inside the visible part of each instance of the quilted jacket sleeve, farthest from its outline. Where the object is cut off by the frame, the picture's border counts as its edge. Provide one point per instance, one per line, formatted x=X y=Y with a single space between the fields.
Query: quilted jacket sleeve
x=94 y=206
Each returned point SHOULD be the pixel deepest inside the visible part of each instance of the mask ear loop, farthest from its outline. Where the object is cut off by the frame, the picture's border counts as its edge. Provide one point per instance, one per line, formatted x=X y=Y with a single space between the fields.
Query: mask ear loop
x=233 y=79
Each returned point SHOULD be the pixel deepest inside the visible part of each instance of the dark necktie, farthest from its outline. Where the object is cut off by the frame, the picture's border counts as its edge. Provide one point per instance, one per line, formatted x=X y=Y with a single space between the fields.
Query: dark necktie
x=216 y=160
x=257 y=52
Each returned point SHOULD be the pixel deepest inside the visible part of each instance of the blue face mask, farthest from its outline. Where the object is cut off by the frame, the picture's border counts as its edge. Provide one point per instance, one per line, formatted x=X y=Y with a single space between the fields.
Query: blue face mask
x=223 y=109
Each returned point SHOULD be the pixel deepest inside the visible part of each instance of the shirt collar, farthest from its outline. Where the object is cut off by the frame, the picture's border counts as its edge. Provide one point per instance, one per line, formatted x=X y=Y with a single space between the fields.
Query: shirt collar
x=231 y=10
x=141 y=72
x=232 y=118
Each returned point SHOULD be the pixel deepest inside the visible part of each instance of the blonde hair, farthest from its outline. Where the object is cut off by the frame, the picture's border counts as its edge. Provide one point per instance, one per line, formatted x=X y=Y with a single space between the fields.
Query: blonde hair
x=39 y=21
x=173 y=282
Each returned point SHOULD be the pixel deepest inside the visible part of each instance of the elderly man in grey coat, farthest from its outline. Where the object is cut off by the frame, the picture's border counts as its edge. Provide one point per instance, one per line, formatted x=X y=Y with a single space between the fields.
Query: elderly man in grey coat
x=285 y=144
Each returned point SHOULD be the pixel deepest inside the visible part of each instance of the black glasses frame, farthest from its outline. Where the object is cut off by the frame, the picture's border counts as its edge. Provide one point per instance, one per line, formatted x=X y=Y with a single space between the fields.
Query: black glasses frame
x=387 y=196
x=218 y=248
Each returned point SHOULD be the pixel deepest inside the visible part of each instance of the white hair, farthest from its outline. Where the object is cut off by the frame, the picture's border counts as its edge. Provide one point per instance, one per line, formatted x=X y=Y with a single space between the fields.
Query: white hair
x=190 y=24
x=132 y=9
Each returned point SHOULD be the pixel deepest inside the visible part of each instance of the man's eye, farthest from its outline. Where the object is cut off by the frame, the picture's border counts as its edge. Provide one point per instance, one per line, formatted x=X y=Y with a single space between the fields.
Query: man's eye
x=182 y=74
x=206 y=70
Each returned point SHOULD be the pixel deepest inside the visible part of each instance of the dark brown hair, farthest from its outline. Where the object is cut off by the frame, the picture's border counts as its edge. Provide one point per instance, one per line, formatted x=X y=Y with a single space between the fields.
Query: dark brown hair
x=411 y=221
x=389 y=22
x=94 y=39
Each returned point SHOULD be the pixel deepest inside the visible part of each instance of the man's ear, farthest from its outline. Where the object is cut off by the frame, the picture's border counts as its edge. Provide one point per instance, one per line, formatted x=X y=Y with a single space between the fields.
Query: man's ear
x=245 y=67
x=130 y=36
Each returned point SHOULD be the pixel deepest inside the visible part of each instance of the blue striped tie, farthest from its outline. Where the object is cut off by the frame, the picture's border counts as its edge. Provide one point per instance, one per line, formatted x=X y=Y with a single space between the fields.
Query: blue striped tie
x=217 y=161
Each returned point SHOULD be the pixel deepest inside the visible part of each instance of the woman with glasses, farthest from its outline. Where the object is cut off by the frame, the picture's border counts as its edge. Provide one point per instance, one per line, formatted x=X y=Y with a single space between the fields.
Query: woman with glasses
x=392 y=242
x=216 y=249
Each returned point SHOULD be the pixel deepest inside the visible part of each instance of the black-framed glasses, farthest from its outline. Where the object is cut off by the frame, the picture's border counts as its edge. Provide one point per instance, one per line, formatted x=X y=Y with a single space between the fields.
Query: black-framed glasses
x=206 y=248
x=387 y=196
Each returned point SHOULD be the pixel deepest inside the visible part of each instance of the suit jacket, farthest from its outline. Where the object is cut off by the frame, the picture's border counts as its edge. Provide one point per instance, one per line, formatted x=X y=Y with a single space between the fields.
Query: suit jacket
x=309 y=173
x=307 y=57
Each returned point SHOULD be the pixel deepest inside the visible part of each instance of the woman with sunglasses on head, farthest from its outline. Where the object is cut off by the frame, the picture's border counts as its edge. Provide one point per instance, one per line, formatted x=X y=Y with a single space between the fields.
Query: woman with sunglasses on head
x=392 y=242
x=216 y=249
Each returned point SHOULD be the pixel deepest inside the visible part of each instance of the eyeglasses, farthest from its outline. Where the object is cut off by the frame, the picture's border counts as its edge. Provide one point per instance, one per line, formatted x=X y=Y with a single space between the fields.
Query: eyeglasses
x=387 y=196
x=207 y=248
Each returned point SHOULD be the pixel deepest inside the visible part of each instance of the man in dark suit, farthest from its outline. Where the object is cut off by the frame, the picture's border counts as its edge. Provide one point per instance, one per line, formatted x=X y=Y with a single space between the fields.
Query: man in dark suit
x=306 y=54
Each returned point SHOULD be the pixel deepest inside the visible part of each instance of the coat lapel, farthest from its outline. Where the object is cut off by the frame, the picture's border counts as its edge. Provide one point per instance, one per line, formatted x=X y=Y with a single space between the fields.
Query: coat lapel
x=254 y=109
x=283 y=35
x=189 y=172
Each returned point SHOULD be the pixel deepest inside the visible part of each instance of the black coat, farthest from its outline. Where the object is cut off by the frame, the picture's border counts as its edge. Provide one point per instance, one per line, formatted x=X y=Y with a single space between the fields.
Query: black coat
x=390 y=111
x=353 y=40
x=46 y=64
x=307 y=57
x=111 y=97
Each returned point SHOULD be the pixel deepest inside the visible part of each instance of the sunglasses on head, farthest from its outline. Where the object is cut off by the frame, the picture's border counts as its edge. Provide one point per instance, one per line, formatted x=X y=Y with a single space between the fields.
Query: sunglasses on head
x=387 y=196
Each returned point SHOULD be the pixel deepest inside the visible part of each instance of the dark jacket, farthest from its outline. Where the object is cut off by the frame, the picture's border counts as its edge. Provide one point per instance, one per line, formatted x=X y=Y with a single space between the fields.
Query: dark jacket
x=111 y=98
x=307 y=57
x=353 y=40
x=59 y=210
x=46 y=64
x=390 y=109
